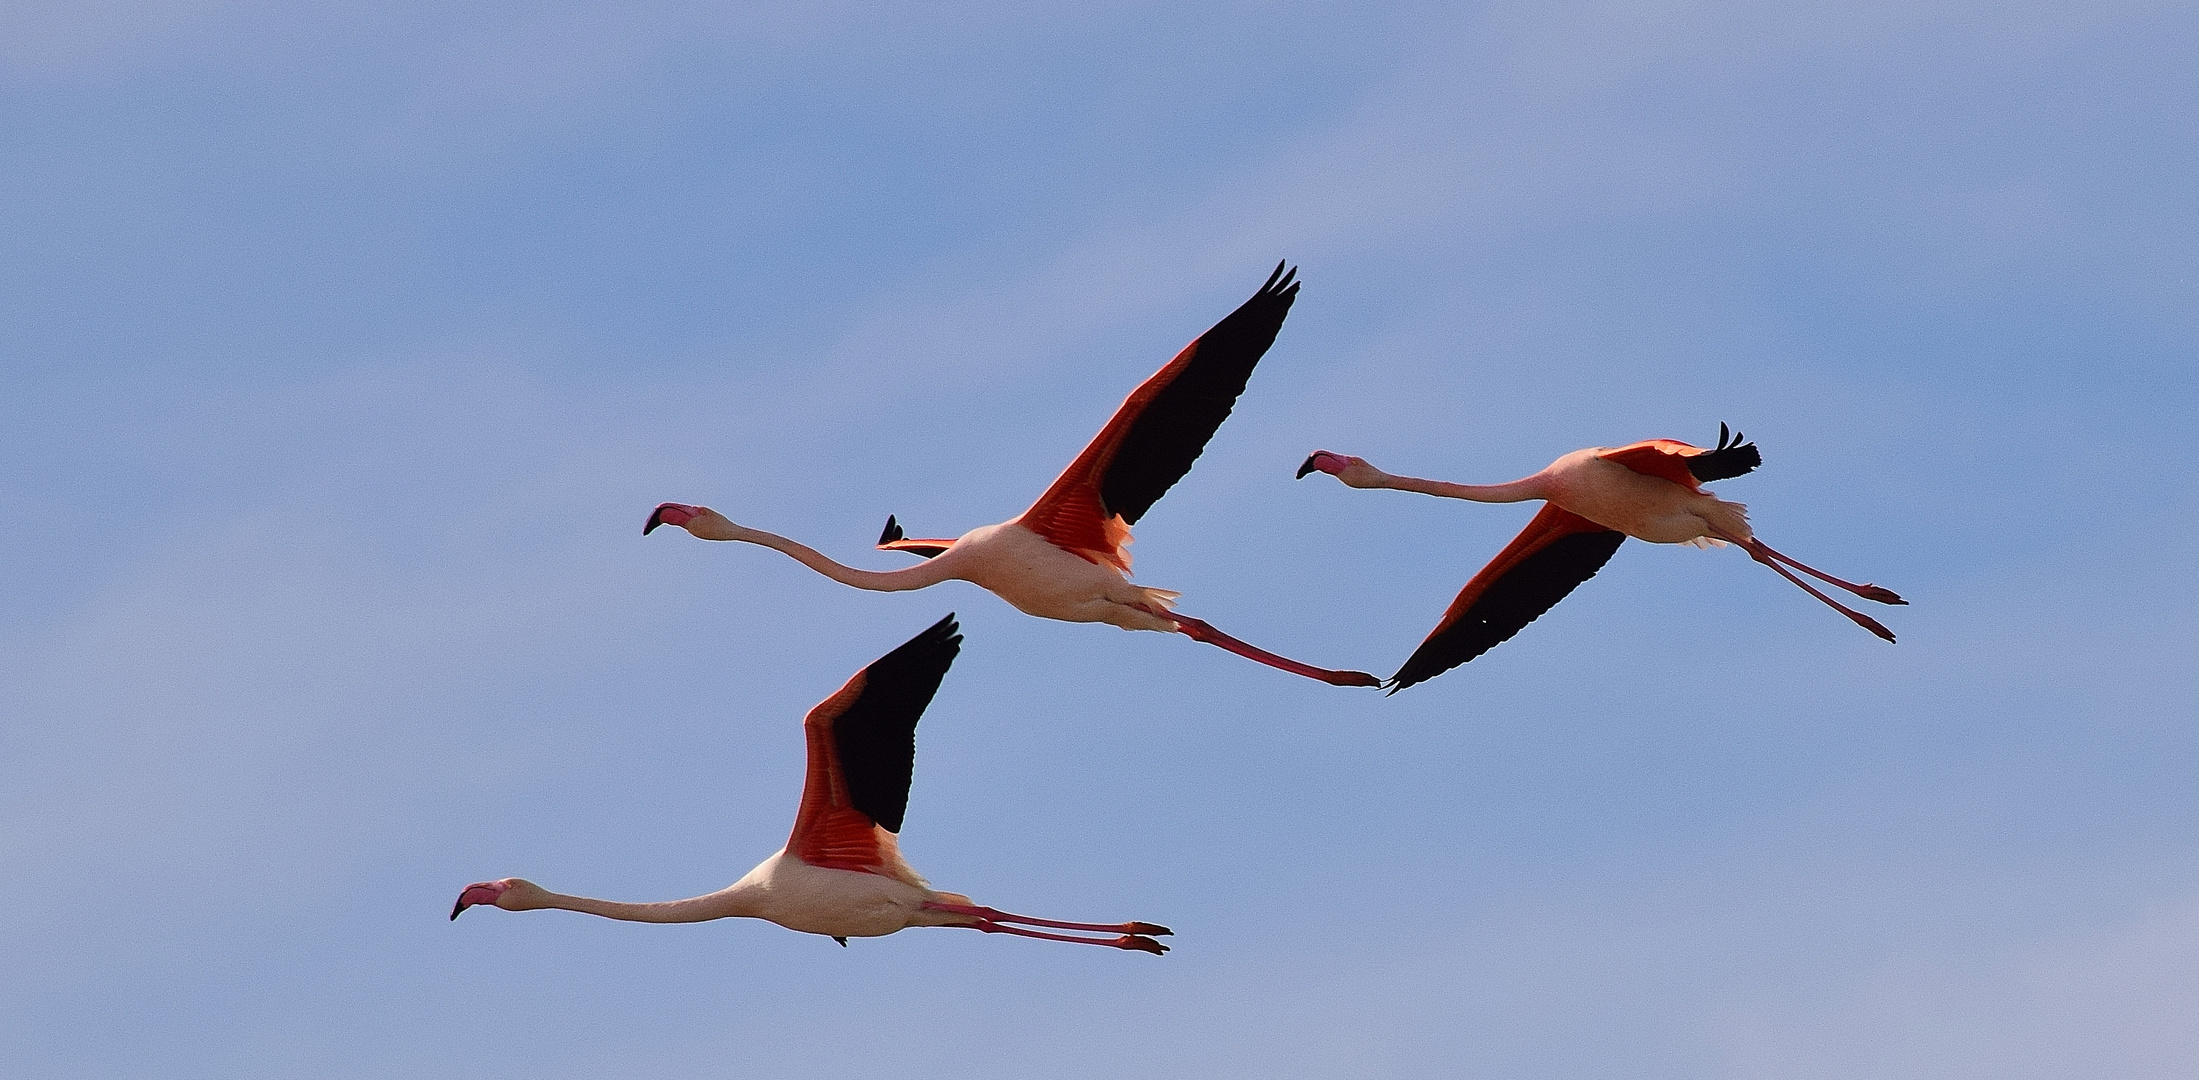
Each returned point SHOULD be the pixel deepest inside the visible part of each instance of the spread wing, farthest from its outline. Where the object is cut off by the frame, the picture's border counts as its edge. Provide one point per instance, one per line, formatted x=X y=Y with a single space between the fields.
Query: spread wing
x=1558 y=550
x=862 y=747
x=1159 y=432
x=1689 y=466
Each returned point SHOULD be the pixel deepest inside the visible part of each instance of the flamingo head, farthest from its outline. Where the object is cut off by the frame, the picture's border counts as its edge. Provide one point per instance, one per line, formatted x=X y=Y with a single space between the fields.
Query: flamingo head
x=511 y=894
x=1354 y=472
x=702 y=521
x=1332 y=464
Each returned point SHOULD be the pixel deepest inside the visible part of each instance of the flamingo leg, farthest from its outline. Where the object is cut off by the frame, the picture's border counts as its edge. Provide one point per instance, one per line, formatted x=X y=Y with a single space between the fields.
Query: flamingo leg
x=1126 y=941
x=997 y=915
x=1201 y=630
x=1866 y=591
x=1762 y=554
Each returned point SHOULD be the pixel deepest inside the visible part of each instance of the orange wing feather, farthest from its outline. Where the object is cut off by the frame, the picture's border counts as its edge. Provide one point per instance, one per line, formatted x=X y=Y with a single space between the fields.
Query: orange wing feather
x=828 y=830
x=1662 y=458
x=1070 y=514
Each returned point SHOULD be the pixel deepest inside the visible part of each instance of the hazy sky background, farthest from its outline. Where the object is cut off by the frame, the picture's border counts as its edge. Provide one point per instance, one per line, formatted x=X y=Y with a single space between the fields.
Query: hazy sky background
x=347 y=345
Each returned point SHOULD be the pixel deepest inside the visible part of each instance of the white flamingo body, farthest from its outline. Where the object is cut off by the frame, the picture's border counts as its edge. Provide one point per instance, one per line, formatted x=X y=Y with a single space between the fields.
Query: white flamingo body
x=782 y=889
x=841 y=873
x=1037 y=577
x=838 y=903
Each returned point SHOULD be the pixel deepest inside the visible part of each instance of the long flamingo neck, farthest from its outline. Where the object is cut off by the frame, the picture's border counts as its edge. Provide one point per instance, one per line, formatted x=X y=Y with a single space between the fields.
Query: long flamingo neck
x=1533 y=487
x=929 y=572
x=725 y=903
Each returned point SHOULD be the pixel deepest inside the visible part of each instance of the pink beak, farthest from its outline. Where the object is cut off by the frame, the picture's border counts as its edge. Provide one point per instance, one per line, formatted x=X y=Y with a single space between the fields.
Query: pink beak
x=1324 y=461
x=485 y=892
x=671 y=514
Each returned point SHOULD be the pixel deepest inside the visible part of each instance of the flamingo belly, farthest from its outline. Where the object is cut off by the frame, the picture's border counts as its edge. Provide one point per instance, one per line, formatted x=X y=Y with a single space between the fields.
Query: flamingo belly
x=1644 y=507
x=836 y=903
x=1038 y=578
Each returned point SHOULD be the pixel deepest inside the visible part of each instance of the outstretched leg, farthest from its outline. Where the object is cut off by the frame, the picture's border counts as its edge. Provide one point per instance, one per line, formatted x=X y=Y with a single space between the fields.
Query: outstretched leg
x=1763 y=555
x=1126 y=941
x=1866 y=591
x=1200 y=630
x=997 y=915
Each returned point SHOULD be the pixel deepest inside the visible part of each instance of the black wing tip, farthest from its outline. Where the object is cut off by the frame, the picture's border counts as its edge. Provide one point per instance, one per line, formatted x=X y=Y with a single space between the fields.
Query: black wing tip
x=1529 y=590
x=944 y=636
x=1733 y=456
x=1282 y=283
x=892 y=532
x=934 y=649
x=1417 y=669
x=876 y=734
x=946 y=632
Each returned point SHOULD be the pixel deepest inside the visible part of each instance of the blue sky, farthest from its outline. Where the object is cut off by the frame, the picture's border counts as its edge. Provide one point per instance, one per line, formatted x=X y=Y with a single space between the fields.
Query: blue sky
x=347 y=346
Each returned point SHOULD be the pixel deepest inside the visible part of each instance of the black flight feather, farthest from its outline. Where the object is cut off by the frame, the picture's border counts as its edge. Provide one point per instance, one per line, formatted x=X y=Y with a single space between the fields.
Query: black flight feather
x=1732 y=458
x=1532 y=587
x=876 y=735
x=1174 y=427
x=893 y=533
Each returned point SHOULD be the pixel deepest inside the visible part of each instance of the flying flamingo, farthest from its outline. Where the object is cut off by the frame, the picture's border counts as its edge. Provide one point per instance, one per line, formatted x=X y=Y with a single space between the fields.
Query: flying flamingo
x=1068 y=556
x=841 y=874
x=1596 y=498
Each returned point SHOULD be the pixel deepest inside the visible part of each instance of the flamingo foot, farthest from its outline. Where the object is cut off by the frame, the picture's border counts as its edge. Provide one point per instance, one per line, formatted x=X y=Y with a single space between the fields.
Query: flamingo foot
x=1866 y=591
x=1761 y=553
x=1133 y=942
x=1201 y=630
x=1870 y=624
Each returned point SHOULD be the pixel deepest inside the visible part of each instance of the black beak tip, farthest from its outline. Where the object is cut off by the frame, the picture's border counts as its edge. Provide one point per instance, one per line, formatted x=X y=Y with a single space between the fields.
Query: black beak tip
x=656 y=518
x=455 y=909
x=1307 y=467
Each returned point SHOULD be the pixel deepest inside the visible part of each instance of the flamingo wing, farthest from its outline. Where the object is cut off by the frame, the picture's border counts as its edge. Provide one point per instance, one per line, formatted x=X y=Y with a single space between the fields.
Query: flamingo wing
x=862 y=749
x=1689 y=466
x=893 y=539
x=1557 y=551
x=1159 y=431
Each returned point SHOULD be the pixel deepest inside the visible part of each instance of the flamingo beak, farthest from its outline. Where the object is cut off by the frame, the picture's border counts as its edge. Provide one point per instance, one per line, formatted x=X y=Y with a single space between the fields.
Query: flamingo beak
x=1323 y=461
x=670 y=514
x=485 y=892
